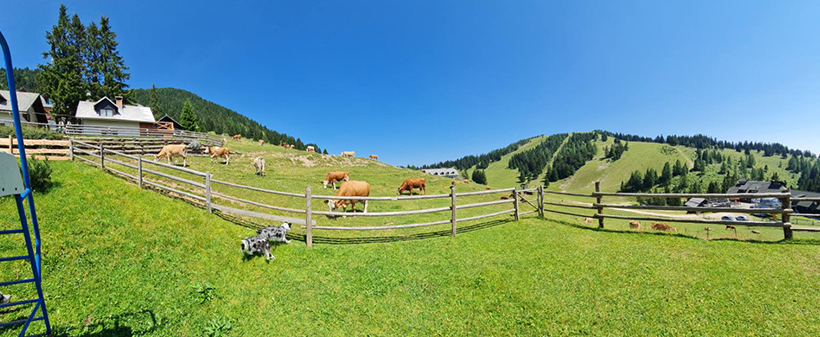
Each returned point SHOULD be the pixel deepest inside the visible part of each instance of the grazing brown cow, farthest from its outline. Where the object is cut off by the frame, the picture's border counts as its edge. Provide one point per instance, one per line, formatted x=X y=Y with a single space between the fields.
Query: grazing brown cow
x=334 y=176
x=259 y=165
x=284 y=145
x=487 y=188
x=348 y=154
x=587 y=221
x=663 y=227
x=291 y=146
x=350 y=189
x=466 y=181
x=310 y=148
x=261 y=142
x=504 y=197
x=374 y=157
x=170 y=151
x=216 y=151
x=635 y=225
x=728 y=227
x=410 y=183
x=237 y=137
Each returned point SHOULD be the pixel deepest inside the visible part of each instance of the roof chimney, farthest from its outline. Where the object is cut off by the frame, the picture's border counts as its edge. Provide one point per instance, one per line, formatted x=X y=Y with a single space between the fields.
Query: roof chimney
x=119 y=101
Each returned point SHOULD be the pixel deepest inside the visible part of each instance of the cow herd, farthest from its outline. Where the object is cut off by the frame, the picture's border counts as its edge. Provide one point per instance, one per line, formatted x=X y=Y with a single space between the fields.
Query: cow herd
x=351 y=188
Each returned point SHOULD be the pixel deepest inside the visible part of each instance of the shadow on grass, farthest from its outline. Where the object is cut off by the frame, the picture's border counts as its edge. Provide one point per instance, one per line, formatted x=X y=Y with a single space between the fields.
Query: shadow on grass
x=127 y=324
x=813 y=242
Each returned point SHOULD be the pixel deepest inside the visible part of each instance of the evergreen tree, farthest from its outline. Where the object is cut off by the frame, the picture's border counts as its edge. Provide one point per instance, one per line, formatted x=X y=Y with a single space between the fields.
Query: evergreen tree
x=92 y=56
x=666 y=174
x=324 y=152
x=713 y=187
x=154 y=102
x=187 y=119
x=62 y=75
x=113 y=66
x=480 y=177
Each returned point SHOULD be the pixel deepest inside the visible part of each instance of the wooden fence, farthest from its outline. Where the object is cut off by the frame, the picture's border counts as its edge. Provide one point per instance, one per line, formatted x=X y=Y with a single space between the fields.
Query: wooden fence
x=80 y=130
x=785 y=211
x=37 y=148
x=200 y=191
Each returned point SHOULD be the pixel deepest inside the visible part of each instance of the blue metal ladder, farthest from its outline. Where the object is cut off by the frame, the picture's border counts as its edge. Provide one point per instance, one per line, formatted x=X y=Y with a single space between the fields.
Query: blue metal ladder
x=12 y=184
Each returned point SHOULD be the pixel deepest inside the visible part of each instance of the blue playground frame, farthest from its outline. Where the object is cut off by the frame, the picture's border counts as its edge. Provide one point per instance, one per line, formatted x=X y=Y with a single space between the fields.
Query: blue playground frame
x=33 y=255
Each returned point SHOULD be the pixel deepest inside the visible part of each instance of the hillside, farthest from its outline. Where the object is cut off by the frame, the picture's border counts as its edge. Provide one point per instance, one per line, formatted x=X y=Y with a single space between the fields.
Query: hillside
x=212 y=116
x=647 y=153
x=156 y=266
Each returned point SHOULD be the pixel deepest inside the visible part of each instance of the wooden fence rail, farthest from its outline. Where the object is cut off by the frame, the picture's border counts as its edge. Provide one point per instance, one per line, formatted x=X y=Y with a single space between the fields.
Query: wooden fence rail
x=785 y=211
x=202 y=192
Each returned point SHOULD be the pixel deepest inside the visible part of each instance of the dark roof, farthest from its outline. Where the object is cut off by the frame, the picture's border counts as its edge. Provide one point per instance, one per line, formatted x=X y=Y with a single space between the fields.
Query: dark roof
x=695 y=202
x=167 y=118
x=806 y=206
x=752 y=186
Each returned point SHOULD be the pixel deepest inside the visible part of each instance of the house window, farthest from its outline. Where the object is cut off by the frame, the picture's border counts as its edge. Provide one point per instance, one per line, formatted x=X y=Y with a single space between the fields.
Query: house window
x=106 y=112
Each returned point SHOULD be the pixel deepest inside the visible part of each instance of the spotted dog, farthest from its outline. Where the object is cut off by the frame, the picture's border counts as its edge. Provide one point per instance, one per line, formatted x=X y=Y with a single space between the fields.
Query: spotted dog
x=261 y=243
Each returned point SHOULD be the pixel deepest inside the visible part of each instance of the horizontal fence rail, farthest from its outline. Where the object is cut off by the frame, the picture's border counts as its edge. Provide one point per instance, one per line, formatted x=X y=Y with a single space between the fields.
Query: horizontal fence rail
x=786 y=210
x=197 y=192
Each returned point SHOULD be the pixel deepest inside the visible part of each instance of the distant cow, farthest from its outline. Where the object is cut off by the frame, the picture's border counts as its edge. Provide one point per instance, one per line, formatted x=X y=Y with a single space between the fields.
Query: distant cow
x=350 y=189
x=663 y=227
x=374 y=157
x=170 y=151
x=216 y=151
x=488 y=188
x=466 y=181
x=236 y=137
x=348 y=154
x=284 y=145
x=261 y=142
x=587 y=220
x=310 y=148
x=410 y=183
x=334 y=176
x=291 y=146
x=635 y=225
x=259 y=165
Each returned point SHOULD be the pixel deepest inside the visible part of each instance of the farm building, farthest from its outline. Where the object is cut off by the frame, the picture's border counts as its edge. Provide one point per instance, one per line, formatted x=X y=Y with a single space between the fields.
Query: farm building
x=696 y=202
x=806 y=207
x=168 y=123
x=451 y=173
x=751 y=186
x=31 y=104
x=104 y=114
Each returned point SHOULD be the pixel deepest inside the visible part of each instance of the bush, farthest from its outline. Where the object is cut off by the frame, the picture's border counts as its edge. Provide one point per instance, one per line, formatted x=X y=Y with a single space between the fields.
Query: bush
x=31 y=133
x=480 y=177
x=39 y=174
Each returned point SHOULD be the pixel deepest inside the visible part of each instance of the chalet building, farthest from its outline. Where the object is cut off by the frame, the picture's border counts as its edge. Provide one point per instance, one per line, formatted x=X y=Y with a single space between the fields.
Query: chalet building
x=806 y=207
x=451 y=173
x=168 y=123
x=32 y=107
x=105 y=113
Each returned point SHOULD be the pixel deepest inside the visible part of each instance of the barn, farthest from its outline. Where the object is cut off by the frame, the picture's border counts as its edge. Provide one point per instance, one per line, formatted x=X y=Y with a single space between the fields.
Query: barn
x=451 y=172
x=32 y=107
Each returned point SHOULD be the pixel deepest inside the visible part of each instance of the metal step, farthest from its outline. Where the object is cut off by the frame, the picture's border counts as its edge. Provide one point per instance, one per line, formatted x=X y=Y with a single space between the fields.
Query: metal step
x=14 y=258
x=8 y=283
x=12 y=304
x=11 y=231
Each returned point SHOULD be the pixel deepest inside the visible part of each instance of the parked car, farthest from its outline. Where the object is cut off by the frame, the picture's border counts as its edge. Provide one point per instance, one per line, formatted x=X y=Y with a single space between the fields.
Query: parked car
x=727 y=218
x=742 y=218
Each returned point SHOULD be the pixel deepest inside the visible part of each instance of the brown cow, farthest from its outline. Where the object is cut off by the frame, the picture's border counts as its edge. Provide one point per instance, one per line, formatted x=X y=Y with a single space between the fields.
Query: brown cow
x=284 y=145
x=587 y=220
x=216 y=151
x=663 y=227
x=291 y=146
x=466 y=181
x=348 y=154
x=350 y=189
x=488 y=188
x=261 y=142
x=334 y=176
x=237 y=137
x=635 y=225
x=310 y=148
x=170 y=151
x=374 y=157
x=410 y=183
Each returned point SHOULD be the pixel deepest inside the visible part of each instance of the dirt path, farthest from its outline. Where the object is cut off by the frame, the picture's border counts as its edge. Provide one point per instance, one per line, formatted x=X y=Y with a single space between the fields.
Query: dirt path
x=688 y=160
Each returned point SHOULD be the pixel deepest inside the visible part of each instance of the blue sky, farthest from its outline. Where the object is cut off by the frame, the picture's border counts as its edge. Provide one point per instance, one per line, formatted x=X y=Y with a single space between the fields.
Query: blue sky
x=423 y=81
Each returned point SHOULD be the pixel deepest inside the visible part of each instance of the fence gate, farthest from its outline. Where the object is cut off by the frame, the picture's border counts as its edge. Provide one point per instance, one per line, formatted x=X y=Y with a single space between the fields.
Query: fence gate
x=11 y=183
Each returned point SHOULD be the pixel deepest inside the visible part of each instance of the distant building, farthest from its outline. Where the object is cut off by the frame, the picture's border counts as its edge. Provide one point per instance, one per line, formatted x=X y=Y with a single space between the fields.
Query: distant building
x=32 y=107
x=451 y=173
x=696 y=202
x=116 y=115
x=168 y=123
x=751 y=186
x=806 y=207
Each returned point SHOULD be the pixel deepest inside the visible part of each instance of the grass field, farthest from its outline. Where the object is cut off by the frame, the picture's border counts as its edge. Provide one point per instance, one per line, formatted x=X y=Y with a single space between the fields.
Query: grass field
x=134 y=262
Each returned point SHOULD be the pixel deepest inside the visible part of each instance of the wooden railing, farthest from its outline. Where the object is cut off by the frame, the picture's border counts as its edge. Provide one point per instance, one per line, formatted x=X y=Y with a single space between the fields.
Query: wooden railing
x=80 y=130
x=785 y=211
x=200 y=192
x=37 y=148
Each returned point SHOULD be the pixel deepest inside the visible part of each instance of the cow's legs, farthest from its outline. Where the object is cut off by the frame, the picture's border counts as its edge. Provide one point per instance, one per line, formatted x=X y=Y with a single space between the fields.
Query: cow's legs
x=365 y=204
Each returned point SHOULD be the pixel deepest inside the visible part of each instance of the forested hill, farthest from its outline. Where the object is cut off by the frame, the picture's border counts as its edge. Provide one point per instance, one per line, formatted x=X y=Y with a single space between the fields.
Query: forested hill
x=211 y=116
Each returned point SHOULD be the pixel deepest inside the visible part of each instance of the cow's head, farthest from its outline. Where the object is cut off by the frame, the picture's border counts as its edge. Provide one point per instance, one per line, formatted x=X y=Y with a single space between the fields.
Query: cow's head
x=324 y=182
x=335 y=204
x=347 y=177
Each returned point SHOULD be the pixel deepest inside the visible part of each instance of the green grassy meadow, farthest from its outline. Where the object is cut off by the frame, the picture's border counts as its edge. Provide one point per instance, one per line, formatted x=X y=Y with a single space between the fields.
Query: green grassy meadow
x=121 y=261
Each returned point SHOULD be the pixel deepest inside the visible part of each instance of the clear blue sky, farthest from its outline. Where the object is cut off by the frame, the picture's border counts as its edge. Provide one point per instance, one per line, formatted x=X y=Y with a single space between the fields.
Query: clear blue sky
x=422 y=81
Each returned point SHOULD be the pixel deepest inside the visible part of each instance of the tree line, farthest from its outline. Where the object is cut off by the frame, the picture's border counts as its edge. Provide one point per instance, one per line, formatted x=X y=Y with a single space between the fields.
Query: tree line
x=531 y=163
x=481 y=161
x=579 y=148
x=700 y=141
x=809 y=170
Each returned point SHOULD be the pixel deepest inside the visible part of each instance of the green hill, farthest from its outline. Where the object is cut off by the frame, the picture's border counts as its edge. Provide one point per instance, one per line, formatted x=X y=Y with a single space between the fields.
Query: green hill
x=156 y=266
x=212 y=116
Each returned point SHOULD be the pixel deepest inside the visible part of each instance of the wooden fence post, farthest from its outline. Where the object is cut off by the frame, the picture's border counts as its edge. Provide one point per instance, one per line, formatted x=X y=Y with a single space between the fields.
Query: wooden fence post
x=102 y=156
x=599 y=199
x=452 y=210
x=308 y=216
x=11 y=145
x=541 y=201
x=515 y=204
x=139 y=171
x=71 y=149
x=786 y=206
x=208 y=192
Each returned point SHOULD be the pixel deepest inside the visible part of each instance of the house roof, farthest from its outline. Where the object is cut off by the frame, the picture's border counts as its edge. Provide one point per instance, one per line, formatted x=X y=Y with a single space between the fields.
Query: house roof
x=752 y=186
x=132 y=113
x=167 y=118
x=441 y=171
x=24 y=100
x=809 y=205
x=695 y=202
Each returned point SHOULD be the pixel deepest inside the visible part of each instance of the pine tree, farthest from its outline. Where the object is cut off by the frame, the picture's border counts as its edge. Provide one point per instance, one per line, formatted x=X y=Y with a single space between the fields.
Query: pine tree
x=480 y=177
x=666 y=174
x=62 y=75
x=154 y=102
x=113 y=66
x=92 y=56
x=187 y=119
x=324 y=152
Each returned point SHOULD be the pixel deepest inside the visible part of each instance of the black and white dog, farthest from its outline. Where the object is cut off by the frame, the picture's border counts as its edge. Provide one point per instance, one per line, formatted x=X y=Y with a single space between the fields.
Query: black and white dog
x=256 y=245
